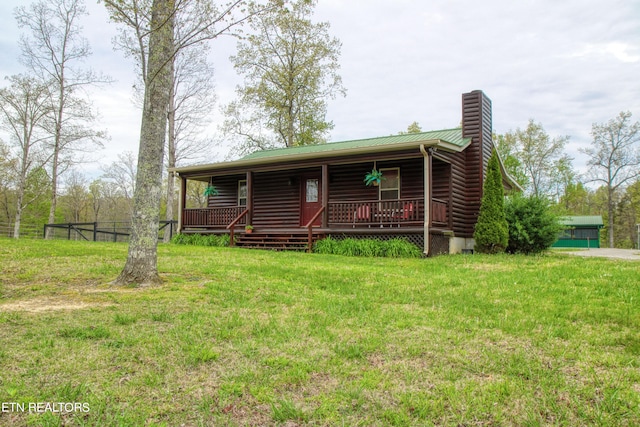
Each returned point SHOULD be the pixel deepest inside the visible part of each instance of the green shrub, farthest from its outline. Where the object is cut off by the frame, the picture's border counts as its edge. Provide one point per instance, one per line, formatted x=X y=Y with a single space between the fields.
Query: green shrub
x=532 y=226
x=492 y=231
x=201 y=239
x=400 y=248
x=325 y=246
x=395 y=248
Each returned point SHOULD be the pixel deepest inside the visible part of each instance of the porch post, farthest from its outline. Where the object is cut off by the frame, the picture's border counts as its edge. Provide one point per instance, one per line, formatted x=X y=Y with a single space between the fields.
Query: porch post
x=250 y=197
x=181 y=200
x=325 y=195
x=426 y=153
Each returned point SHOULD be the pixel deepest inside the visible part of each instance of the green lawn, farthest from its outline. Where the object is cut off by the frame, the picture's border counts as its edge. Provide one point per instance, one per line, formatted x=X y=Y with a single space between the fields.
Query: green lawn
x=239 y=337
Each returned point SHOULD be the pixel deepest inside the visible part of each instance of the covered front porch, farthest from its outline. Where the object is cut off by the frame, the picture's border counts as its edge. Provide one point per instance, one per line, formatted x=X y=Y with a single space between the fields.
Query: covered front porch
x=326 y=199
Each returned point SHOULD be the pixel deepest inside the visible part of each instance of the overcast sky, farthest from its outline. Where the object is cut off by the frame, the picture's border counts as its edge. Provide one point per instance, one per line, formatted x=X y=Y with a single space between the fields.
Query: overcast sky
x=563 y=63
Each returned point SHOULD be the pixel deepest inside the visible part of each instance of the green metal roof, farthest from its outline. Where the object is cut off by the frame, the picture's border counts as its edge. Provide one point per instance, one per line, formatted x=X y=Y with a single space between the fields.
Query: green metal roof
x=450 y=136
x=447 y=140
x=582 y=221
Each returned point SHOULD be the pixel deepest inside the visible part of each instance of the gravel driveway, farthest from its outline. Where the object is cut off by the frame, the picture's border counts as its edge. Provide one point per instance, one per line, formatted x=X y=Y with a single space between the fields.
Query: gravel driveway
x=631 y=254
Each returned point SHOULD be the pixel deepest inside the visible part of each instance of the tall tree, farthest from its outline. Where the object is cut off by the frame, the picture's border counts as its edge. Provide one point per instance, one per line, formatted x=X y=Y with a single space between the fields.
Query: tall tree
x=290 y=68
x=157 y=46
x=122 y=175
x=191 y=98
x=96 y=196
x=627 y=216
x=492 y=231
x=412 y=128
x=8 y=166
x=75 y=198
x=24 y=106
x=576 y=200
x=540 y=157
x=614 y=159
x=195 y=197
x=141 y=266
x=37 y=191
x=54 y=50
x=632 y=194
x=506 y=146
x=190 y=106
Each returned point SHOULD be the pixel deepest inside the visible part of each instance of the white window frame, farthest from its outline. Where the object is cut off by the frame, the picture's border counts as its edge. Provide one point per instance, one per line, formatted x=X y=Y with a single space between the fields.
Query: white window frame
x=240 y=199
x=380 y=187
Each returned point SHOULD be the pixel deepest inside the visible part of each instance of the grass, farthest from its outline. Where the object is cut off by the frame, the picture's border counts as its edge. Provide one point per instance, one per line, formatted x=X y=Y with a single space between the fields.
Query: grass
x=201 y=239
x=238 y=337
x=393 y=248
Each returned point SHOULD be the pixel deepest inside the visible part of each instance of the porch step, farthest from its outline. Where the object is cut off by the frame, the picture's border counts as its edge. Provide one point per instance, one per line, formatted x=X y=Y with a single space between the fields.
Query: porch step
x=275 y=241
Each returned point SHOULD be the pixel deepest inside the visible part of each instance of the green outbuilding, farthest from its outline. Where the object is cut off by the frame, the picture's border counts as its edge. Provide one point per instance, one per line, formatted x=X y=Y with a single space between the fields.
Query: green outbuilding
x=580 y=232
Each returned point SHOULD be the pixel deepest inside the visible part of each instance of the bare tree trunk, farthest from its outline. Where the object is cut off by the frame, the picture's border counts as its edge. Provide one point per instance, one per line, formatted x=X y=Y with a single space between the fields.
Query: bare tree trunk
x=18 y=218
x=22 y=182
x=171 y=148
x=610 y=209
x=55 y=159
x=54 y=191
x=141 y=266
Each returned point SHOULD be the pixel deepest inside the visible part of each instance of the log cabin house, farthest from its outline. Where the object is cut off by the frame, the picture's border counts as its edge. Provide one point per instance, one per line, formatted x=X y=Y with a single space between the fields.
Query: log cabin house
x=430 y=192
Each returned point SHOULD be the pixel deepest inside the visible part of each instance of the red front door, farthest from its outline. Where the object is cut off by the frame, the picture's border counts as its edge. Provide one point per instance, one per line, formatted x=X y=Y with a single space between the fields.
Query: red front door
x=311 y=200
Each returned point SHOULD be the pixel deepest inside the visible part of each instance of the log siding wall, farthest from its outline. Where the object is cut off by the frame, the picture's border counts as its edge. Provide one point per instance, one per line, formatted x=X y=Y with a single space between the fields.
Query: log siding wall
x=277 y=194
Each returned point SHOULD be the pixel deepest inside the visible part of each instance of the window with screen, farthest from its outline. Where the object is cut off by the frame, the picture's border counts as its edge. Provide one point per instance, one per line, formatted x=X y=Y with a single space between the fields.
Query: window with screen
x=242 y=192
x=585 y=233
x=390 y=184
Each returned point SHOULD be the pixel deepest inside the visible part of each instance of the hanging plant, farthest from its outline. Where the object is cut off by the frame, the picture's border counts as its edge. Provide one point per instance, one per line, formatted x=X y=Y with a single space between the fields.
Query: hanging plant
x=210 y=191
x=373 y=178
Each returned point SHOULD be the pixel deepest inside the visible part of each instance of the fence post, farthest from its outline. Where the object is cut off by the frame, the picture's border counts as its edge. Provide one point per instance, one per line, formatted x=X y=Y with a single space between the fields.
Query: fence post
x=44 y=230
x=95 y=231
x=115 y=236
x=69 y=231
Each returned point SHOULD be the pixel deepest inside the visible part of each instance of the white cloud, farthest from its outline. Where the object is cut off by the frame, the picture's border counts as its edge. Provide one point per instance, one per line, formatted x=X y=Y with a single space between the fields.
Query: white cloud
x=566 y=64
x=623 y=52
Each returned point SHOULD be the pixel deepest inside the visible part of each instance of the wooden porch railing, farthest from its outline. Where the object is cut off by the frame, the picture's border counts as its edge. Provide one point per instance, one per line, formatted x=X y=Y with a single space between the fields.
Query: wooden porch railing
x=357 y=213
x=354 y=213
x=376 y=212
x=210 y=217
x=309 y=227
x=231 y=227
x=439 y=212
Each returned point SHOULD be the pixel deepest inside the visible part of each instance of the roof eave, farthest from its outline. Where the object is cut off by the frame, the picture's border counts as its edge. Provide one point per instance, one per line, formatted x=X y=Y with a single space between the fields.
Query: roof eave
x=511 y=180
x=292 y=158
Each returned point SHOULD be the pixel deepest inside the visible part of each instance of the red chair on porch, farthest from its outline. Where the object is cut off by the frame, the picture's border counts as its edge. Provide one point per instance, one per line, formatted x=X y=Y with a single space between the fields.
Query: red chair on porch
x=407 y=211
x=362 y=213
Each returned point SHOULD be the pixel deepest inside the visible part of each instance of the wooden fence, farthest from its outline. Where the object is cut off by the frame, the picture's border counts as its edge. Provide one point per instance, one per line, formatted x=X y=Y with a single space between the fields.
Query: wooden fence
x=103 y=231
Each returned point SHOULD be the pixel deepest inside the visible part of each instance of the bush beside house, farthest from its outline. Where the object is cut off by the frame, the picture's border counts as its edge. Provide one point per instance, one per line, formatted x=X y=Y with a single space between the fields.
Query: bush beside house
x=492 y=231
x=533 y=228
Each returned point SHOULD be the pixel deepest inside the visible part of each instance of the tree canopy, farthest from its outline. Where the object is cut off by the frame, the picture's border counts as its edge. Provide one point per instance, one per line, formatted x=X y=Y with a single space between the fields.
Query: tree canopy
x=290 y=68
x=414 y=127
x=614 y=159
x=537 y=161
x=54 y=50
